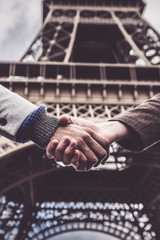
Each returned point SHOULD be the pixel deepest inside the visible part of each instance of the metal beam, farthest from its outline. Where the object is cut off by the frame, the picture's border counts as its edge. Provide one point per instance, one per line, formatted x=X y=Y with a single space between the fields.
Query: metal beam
x=130 y=40
x=72 y=39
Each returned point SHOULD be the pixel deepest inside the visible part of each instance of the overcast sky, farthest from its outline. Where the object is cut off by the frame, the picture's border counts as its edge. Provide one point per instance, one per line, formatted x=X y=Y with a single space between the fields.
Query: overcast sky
x=20 y=22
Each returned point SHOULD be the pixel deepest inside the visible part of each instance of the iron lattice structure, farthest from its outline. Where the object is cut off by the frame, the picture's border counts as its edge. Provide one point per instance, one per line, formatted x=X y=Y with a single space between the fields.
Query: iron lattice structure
x=94 y=59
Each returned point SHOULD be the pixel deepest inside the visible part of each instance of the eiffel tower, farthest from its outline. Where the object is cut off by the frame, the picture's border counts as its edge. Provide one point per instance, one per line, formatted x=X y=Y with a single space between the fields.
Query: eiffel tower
x=93 y=59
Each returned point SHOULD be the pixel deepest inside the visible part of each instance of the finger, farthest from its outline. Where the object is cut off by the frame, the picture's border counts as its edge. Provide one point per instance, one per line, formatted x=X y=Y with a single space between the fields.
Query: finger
x=83 y=162
x=90 y=165
x=102 y=141
x=107 y=156
x=51 y=147
x=64 y=120
x=94 y=152
x=64 y=142
x=88 y=158
x=68 y=152
x=103 y=158
x=75 y=159
x=100 y=146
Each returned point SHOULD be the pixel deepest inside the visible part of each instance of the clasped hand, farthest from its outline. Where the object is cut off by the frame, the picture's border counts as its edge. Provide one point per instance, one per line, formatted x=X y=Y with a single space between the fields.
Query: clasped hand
x=77 y=143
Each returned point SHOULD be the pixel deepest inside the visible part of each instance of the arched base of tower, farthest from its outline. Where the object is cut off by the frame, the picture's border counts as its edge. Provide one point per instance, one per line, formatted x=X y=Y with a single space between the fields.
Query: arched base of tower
x=42 y=200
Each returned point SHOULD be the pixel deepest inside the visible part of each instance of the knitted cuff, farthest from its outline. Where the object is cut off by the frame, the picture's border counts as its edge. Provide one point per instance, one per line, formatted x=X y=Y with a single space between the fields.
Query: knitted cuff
x=38 y=127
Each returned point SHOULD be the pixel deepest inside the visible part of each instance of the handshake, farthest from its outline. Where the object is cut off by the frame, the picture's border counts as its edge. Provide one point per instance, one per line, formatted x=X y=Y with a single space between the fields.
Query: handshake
x=82 y=143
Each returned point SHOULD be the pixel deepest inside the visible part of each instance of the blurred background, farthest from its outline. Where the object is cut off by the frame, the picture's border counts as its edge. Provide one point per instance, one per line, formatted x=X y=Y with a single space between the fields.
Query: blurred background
x=20 y=22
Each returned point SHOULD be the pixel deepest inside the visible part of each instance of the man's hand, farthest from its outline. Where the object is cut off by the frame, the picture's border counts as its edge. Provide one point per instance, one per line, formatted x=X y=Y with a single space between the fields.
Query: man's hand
x=64 y=151
x=111 y=130
x=92 y=147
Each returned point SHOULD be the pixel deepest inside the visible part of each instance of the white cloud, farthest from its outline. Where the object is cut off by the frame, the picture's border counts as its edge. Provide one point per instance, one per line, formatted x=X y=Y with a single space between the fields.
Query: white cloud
x=151 y=13
x=20 y=20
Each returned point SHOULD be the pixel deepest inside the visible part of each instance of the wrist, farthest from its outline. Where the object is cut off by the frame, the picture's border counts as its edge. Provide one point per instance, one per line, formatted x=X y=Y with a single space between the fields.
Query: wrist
x=114 y=130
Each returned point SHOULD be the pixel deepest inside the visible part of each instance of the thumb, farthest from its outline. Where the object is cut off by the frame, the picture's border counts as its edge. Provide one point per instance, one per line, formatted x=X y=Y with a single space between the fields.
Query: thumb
x=64 y=120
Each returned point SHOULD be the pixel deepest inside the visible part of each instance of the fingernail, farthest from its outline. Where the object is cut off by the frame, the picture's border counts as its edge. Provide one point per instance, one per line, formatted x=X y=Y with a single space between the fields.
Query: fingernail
x=65 y=141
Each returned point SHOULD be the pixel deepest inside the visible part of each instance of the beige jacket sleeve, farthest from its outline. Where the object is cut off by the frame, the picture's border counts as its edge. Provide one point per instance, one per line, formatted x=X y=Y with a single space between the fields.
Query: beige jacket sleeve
x=22 y=121
x=144 y=121
x=13 y=111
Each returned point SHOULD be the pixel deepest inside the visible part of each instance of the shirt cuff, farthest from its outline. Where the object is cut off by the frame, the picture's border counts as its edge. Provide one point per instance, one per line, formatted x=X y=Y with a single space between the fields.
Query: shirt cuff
x=38 y=127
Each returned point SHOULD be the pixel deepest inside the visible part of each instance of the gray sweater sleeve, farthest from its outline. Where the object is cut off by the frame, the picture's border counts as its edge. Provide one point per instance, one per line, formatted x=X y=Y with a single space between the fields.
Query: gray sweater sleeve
x=144 y=121
x=22 y=121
